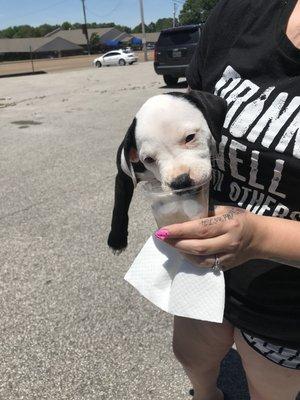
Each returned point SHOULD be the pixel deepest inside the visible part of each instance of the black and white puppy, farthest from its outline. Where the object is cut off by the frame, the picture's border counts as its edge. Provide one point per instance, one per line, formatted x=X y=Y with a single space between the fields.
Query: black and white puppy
x=171 y=140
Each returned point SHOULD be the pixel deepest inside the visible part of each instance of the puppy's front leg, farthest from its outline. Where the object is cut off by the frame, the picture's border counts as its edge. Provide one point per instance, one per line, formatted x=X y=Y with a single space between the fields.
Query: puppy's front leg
x=117 y=239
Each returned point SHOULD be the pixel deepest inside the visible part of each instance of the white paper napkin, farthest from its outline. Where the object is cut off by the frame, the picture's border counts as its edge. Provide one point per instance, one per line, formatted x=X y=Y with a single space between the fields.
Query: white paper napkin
x=173 y=284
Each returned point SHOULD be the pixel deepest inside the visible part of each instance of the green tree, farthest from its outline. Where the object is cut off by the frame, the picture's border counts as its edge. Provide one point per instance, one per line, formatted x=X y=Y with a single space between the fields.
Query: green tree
x=106 y=25
x=92 y=25
x=24 y=31
x=8 y=32
x=163 y=23
x=42 y=30
x=123 y=28
x=66 y=26
x=94 y=39
x=195 y=11
x=152 y=27
x=160 y=24
x=138 y=28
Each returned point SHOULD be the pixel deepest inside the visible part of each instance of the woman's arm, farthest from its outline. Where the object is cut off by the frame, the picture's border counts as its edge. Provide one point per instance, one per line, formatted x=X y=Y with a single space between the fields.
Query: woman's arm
x=235 y=236
x=280 y=240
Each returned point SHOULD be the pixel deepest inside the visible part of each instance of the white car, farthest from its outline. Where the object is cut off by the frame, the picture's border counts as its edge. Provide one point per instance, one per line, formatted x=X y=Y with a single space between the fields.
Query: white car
x=115 y=57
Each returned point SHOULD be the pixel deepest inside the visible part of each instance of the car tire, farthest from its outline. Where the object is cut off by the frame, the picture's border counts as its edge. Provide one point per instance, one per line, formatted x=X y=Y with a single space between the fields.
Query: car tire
x=122 y=62
x=170 y=80
x=98 y=64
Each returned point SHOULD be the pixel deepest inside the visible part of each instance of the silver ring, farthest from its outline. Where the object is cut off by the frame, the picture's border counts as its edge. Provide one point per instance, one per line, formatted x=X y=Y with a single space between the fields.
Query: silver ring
x=217 y=266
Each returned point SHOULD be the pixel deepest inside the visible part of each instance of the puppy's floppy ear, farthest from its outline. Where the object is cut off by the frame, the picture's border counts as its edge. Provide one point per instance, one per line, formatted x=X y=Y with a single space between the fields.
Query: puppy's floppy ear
x=124 y=187
x=213 y=108
x=129 y=153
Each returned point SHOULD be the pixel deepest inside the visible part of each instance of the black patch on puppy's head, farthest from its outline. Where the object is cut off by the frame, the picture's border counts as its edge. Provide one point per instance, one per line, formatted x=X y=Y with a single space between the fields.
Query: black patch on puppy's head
x=133 y=164
x=213 y=108
x=129 y=142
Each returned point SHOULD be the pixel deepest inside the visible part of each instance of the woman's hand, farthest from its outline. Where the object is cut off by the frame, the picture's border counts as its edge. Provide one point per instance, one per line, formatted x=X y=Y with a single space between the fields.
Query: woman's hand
x=231 y=235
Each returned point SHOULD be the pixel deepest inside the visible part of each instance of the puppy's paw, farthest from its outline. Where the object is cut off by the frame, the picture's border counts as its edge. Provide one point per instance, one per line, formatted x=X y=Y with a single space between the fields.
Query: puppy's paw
x=117 y=243
x=117 y=252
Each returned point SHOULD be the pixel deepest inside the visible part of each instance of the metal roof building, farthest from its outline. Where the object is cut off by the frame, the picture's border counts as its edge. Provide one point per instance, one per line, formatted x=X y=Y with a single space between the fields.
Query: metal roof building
x=57 y=44
x=59 y=41
x=76 y=35
x=38 y=45
x=21 y=45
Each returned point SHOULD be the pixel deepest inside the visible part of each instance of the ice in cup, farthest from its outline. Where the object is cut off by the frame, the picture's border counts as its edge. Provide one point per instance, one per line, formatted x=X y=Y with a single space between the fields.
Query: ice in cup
x=176 y=206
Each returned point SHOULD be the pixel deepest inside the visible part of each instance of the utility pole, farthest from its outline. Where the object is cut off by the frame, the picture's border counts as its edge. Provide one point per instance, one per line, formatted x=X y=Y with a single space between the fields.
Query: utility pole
x=144 y=40
x=31 y=58
x=174 y=14
x=86 y=29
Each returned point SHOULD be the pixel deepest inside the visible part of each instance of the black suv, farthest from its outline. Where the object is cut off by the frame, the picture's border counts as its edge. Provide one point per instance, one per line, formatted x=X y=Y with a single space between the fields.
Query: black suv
x=174 y=50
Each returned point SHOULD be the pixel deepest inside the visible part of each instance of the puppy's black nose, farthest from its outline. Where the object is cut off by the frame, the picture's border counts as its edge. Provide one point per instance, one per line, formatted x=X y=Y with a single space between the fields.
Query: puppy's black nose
x=181 y=182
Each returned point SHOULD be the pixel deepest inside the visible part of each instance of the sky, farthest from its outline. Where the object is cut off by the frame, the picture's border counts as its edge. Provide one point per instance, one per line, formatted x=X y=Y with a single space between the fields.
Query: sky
x=123 y=12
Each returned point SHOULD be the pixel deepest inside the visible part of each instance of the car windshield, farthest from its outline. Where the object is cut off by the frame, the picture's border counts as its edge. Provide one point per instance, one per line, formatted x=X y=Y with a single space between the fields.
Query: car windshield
x=178 y=37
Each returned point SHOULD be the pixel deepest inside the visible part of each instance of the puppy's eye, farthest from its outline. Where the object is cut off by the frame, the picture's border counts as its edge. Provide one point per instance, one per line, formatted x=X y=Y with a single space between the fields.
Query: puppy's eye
x=149 y=160
x=189 y=138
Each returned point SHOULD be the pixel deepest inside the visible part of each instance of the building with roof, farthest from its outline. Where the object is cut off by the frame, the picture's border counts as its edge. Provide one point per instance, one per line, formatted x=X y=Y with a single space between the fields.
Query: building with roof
x=110 y=37
x=78 y=37
x=27 y=45
x=12 y=49
x=69 y=42
x=58 y=45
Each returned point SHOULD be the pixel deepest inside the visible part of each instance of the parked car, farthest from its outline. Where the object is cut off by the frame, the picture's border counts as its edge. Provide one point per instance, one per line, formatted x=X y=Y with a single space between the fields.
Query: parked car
x=150 y=46
x=174 y=50
x=115 y=57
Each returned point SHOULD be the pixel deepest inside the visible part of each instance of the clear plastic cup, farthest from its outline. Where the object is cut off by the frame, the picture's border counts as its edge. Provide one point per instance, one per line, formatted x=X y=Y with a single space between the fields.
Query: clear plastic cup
x=177 y=206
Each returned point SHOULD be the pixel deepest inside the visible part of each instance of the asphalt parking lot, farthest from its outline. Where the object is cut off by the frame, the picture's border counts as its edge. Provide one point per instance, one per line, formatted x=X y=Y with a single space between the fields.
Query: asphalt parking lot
x=71 y=327
x=54 y=65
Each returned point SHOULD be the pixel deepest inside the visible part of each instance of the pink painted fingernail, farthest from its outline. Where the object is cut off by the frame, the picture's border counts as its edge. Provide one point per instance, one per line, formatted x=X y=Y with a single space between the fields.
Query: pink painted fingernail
x=162 y=234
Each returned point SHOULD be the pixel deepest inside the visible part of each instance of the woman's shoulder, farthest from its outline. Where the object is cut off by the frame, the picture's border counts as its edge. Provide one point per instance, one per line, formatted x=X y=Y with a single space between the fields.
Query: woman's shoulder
x=228 y=13
x=234 y=6
x=237 y=10
x=226 y=19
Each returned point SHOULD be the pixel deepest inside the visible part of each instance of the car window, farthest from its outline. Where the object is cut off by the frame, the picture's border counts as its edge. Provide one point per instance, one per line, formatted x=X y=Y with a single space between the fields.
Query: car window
x=178 y=37
x=112 y=53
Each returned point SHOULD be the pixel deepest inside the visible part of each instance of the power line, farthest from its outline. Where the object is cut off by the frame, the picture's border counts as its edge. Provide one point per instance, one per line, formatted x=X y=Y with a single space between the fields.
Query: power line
x=106 y=14
x=41 y=9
